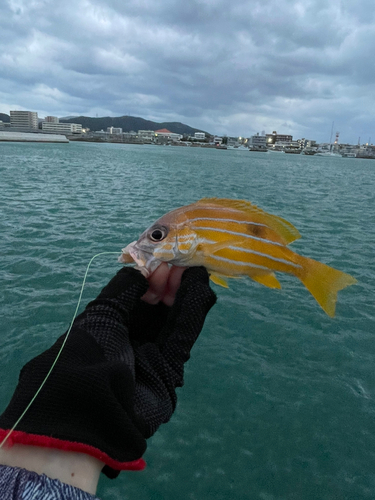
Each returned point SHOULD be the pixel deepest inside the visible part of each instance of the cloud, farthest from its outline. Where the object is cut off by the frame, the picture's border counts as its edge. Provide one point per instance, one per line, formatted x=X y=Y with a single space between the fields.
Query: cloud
x=226 y=67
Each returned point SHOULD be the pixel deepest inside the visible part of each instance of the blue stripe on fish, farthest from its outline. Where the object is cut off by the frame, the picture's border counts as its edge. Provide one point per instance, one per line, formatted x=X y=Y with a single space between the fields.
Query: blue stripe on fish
x=226 y=231
x=283 y=261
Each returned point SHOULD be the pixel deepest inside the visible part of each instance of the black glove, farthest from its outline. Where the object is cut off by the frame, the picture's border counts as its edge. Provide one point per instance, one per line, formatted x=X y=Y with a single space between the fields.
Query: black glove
x=115 y=380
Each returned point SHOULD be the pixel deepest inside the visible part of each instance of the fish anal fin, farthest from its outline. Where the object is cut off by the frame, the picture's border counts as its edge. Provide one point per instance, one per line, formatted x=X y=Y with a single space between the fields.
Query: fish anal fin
x=268 y=280
x=219 y=280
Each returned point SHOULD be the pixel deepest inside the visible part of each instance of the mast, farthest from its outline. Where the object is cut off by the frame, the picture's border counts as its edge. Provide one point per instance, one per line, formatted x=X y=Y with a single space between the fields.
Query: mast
x=330 y=139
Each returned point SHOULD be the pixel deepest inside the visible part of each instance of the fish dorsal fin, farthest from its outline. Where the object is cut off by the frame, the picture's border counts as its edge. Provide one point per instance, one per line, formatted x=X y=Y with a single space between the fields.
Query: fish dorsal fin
x=282 y=227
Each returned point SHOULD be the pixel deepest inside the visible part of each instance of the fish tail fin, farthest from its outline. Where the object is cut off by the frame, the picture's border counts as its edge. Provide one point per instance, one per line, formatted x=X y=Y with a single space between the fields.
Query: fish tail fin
x=323 y=282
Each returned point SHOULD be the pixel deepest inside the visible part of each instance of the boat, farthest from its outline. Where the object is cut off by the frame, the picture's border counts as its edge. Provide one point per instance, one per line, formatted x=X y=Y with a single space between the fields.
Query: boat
x=258 y=149
x=274 y=150
x=328 y=152
x=308 y=152
x=293 y=151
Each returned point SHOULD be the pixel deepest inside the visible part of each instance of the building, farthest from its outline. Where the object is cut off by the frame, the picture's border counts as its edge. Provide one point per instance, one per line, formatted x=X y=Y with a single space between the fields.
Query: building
x=275 y=137
x=232 y=141
x=62 y=128
x=146 y=135
x=200 y=136
x=164 y=136
x=258 y=142
x=114 y=130
x=24 y=120
x=51 y=119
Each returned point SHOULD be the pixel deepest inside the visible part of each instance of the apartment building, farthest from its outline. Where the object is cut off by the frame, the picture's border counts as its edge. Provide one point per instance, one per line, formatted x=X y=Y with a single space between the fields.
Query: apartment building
x=114 y=130
x=275 y=137
x=200 y=136
x=62 y=128
x=51 y=119
x=24 y=119
x=258 y=141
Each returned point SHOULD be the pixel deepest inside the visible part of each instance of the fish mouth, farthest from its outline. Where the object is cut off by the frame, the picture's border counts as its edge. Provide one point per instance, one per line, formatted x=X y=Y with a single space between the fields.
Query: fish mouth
x=146 y=262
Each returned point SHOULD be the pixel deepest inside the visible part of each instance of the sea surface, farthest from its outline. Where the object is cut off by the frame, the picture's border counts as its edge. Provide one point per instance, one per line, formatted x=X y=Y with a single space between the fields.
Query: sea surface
x=279 y=399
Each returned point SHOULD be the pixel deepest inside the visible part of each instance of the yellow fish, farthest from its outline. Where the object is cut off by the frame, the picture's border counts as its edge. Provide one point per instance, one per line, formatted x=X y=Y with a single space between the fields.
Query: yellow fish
x=232 y=238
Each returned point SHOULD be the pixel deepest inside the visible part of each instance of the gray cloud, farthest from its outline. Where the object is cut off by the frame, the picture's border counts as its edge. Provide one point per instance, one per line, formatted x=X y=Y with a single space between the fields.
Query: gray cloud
x=226 y=67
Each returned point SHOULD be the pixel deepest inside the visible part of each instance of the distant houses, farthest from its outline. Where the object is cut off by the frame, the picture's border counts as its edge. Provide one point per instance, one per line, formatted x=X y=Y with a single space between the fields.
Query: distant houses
x=165 y=136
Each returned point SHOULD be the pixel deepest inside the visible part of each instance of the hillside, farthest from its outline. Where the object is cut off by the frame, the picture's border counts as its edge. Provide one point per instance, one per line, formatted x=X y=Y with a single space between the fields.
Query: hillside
x=128 y=123
x=4 y=118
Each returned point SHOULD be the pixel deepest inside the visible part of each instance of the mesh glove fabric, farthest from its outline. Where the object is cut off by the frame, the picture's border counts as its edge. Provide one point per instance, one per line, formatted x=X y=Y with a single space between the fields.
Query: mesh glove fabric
x=114 y=383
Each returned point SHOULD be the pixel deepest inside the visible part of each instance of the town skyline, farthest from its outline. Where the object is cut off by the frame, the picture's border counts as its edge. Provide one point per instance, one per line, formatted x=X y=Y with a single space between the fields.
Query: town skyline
x=334 y=136
x=26 y=126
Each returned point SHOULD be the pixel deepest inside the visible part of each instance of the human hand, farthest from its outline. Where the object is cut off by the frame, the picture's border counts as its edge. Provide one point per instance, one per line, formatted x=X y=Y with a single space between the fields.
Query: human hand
x=154 y=340
x=114 y=382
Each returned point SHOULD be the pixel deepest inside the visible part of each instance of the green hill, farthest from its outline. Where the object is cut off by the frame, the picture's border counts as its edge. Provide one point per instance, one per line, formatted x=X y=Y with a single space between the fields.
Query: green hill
x=128 y=123
x=4 y=118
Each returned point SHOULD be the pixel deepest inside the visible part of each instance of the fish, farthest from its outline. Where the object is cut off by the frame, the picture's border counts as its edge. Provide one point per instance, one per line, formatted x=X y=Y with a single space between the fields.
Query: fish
x=232 y=239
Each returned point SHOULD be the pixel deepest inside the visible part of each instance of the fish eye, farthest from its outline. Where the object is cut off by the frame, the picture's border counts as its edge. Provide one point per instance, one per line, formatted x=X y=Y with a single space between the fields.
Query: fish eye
x=158 y=234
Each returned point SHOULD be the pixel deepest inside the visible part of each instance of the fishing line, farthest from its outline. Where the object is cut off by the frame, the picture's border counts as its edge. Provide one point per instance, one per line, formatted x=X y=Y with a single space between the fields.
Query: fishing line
x=60 y=351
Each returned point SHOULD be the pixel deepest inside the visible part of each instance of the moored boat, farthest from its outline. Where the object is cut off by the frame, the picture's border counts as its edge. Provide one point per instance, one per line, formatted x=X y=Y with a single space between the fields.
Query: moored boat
x=294 y=151
x=328 y=153
x=258 y=149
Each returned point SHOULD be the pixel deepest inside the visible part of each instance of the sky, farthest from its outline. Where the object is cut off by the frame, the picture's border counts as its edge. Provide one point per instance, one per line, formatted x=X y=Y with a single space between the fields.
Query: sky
x=226 y=67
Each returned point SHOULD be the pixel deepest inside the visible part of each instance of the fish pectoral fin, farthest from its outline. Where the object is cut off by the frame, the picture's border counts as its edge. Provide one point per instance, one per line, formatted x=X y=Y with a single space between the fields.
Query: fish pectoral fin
x=187 y=240
x=268 y=279
x=218 y=279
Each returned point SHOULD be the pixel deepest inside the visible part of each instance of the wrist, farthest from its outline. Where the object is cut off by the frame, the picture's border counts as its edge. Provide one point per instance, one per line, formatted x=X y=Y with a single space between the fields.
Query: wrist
x=76 y=469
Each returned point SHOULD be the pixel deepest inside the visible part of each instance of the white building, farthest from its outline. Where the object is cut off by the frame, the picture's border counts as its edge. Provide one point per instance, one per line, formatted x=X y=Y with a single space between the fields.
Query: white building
x=62 y=128
x=146 y=135
x=24 y=119
x=114 y=130
x=200 y=136
x=258 y=141
x=163 y=136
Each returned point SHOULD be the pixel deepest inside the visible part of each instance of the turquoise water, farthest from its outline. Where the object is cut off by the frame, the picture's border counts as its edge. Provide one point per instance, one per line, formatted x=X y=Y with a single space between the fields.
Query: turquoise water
x=278 y=400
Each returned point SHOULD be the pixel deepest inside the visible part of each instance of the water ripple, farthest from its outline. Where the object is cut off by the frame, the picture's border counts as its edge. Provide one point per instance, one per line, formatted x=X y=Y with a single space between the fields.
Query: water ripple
x=278 y=398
